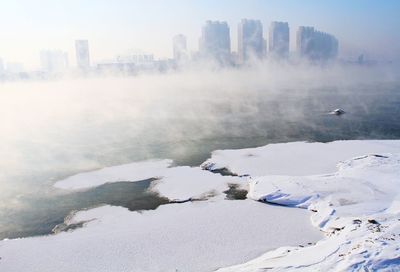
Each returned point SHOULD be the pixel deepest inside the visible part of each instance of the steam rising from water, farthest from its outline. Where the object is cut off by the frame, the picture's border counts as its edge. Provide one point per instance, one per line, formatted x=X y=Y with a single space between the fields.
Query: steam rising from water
x=53 y=129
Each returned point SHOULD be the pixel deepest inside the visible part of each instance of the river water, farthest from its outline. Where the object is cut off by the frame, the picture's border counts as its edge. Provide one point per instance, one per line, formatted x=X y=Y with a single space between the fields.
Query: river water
x=50 y=130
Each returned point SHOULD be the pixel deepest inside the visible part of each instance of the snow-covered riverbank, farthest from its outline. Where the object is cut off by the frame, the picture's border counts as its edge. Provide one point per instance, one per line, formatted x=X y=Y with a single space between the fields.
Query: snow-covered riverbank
x=349 y=189
x=357 y=205
x=193 y=236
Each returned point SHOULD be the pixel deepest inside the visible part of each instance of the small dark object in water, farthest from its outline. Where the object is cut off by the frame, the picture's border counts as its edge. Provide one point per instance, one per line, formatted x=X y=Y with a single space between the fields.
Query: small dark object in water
x=338 y=112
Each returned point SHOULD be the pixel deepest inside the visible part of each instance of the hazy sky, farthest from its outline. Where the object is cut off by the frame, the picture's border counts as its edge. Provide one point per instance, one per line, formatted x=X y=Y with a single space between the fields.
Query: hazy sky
x=123 y=26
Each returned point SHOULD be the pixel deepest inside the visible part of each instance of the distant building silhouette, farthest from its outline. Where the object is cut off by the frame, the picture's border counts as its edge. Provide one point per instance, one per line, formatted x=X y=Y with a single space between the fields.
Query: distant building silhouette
x=15 y=67
x=129 y=64
x=180 y=48
x=82 y=54
x=2 y=68
x=250 y=40
x=137 y=58
x=304 y=38
x=215 y=42
x=316 y=45
x=54 y=61
x=279 y=39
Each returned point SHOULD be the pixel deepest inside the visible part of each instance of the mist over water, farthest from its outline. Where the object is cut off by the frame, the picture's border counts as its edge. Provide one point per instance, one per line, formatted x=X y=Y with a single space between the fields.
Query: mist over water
x=53 y=129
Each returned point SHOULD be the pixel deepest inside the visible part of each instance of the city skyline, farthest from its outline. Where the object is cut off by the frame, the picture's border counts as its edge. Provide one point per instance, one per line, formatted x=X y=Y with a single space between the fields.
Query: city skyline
x=214 y=45
x=128 y=26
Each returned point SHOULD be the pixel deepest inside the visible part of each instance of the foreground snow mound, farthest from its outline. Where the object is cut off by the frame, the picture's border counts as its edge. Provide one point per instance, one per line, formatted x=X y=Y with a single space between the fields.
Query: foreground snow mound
x=358 y=207
x=360 y=246
x=361 y=186
x=297 y=158
x=194 y=236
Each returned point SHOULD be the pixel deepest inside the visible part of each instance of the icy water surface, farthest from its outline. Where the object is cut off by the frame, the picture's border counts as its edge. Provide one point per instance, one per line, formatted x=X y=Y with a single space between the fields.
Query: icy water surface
x=50 y=210
x=53 y=130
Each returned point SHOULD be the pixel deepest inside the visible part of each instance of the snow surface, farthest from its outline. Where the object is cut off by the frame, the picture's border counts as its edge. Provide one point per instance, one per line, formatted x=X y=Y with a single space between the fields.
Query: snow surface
x=350 y=188
x=194 y=236
x=183 y=183
x=296 y=158
x=176 y=183
x=127 y=172
x=357 y=207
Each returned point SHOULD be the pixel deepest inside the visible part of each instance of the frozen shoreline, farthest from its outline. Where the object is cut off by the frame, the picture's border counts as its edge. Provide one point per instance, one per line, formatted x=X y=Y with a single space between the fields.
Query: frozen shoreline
x=193 y=236
x=357 y=206
x=351 y=189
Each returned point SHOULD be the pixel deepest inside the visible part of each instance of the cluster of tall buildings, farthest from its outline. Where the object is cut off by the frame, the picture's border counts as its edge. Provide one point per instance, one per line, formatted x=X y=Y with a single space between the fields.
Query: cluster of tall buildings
x=316 y=45
x=215 y=42
x=10 y=68
x=56 y=61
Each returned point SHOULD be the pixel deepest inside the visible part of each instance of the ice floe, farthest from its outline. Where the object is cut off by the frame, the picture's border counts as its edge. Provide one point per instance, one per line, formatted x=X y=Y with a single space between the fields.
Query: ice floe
x=127 y=172
x=184 y=183
x=179 y=183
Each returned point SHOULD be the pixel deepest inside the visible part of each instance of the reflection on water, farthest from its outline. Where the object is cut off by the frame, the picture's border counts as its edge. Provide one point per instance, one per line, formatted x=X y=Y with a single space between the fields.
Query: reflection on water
x=51 y=145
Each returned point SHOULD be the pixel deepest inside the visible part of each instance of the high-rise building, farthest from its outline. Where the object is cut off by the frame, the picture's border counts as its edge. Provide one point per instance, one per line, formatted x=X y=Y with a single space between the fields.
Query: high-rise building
x=179 y=48
x=250 y=40
x=304 y=40
x=215 y=41
x=82 y=54
x=54 y=61
x=279 y=39
x=316 y=45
